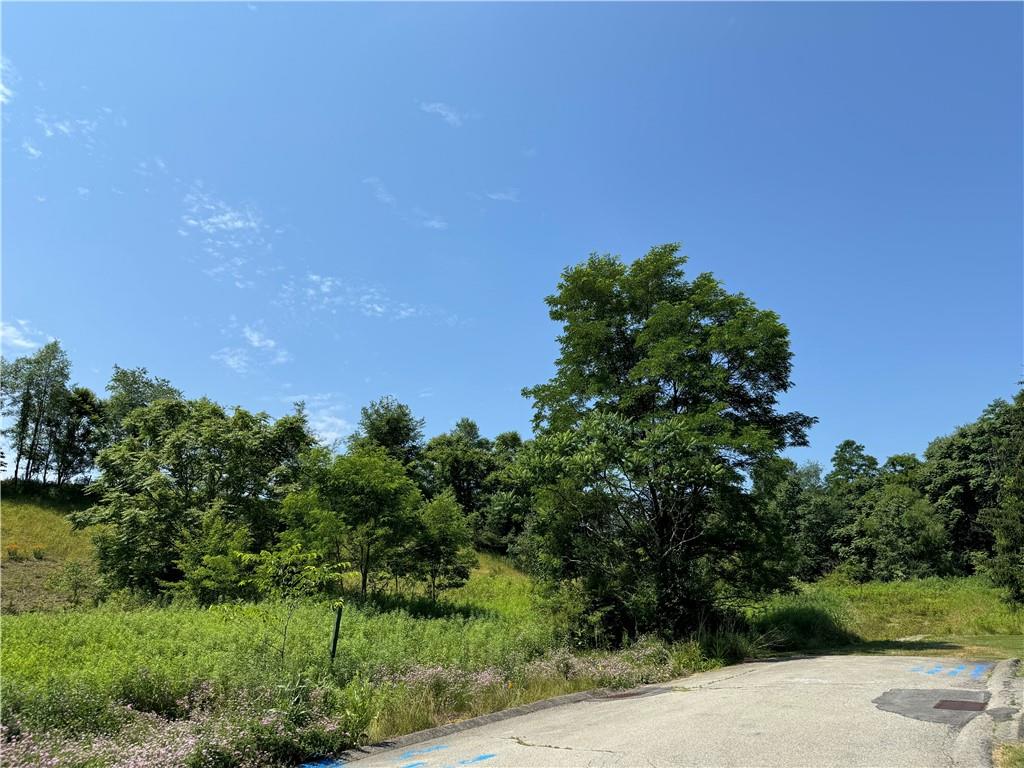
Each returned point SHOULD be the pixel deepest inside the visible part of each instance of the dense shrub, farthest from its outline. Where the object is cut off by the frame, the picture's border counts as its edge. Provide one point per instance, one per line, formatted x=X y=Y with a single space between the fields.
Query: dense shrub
x=804 y=621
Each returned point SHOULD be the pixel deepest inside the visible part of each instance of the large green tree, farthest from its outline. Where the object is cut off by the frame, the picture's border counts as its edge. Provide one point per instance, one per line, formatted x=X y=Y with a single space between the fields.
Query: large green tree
x=74 y=433
x=664 y=401
x=178 y=463
x=508 y=502
x=797 y=495
x=443 y=544
x=964 y=475
x=1005 y=520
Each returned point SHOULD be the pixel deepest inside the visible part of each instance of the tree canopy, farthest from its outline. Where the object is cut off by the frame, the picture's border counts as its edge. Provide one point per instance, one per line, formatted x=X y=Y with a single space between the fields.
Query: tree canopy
x=663 y=402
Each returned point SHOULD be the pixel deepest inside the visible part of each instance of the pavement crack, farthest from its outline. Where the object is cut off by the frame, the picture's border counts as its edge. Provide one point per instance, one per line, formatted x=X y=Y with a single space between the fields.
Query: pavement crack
x=730 y=677
x=523 y=743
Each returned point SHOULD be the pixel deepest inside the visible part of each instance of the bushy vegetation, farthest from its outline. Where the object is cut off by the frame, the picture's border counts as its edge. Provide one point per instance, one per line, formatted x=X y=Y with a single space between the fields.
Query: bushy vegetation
x=225 y=681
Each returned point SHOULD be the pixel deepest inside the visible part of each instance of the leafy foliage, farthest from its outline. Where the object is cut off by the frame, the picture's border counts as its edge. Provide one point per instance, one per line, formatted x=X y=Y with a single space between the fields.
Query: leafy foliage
x=957 y=512
x=131 y=388
x=182 y=461
x=444 y=544
x=664 y=401
x=389 y=424
x=359 y=508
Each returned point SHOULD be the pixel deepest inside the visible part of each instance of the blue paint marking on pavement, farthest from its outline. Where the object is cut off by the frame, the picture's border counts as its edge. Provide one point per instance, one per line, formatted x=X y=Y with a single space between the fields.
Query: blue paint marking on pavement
x=417 y=764
x=979 y=670
x=917 y=669
x=424 y=751
x=327 y=763
x=957 y=670
x=934 y=670
x=477 y=759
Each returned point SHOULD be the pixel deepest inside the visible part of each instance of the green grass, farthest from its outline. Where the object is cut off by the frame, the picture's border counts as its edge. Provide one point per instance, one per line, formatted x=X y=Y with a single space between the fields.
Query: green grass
x=239 y=645
x=888 y=611
x=963 y=616
x=1010 y=756
x=30 y=525
x=36 y=539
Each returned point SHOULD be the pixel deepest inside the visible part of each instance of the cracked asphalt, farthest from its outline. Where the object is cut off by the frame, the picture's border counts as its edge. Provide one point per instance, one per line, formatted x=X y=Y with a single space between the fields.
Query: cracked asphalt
x=871 y=711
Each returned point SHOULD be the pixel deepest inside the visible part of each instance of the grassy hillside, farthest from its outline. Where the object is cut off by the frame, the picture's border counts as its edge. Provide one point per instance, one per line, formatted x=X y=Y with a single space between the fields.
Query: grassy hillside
x=36 y=541
x=965 y=616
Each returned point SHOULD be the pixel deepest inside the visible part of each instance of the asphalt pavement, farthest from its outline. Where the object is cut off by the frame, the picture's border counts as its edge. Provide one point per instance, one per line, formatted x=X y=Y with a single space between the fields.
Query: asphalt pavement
x=849 y=710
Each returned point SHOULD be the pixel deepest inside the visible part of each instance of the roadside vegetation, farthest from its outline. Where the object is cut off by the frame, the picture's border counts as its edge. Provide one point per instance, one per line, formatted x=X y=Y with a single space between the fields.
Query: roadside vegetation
x=1009 y=756
x=953 y=616
x=172 y=569
x=225 y=685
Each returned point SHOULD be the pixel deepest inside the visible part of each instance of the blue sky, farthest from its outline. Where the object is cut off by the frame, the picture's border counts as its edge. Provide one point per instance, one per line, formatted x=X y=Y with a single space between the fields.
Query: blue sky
x=329 y=201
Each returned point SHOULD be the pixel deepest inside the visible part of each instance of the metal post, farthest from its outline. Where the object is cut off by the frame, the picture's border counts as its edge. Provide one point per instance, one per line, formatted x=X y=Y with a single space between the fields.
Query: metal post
x=337 y=629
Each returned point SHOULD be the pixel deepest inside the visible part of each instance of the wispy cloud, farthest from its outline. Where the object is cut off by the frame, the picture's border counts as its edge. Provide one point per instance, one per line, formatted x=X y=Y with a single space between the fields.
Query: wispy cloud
x=83 y=130
x=529 y=152
x=151 y=166
x=380 y=191
x=235 y=358
x=419 y=217
x=429 y=221
x=66 y=126
x=31 y=150
x=446 y=112
x=8 y=76
x=259 y=340
x=21 y=336
x=506 y=196
x=435 y=222
x=331 y=295
x=251 y=347
x=229 y=236
x=83 y=192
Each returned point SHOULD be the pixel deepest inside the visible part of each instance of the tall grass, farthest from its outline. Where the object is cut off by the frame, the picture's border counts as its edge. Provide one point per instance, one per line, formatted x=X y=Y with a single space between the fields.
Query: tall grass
x=497 y=621
x=891 y=610
x=835 y=612
x=219 y=686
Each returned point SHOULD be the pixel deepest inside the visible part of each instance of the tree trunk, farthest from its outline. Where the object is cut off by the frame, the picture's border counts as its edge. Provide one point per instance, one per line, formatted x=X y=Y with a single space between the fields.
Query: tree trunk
x=30 y=462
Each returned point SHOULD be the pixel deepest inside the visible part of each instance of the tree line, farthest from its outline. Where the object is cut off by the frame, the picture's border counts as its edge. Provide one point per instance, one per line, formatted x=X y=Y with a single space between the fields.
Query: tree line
x=55 y=429
x=653 y=494
x=958 y=511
